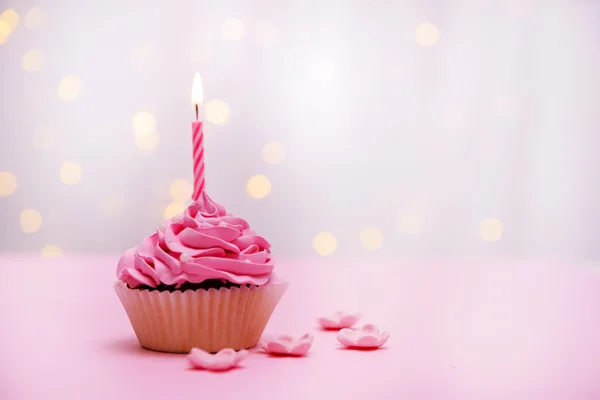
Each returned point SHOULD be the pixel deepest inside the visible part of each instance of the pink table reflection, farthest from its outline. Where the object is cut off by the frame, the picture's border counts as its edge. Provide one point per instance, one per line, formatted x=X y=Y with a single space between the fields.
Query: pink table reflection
x=460 y=330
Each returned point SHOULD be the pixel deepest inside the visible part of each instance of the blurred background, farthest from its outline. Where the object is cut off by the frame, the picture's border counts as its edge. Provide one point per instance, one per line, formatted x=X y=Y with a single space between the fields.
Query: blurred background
x=336 y=128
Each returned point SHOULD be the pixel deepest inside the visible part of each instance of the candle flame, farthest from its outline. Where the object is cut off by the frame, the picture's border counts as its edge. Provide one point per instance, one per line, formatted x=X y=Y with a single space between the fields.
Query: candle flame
x=197 y=95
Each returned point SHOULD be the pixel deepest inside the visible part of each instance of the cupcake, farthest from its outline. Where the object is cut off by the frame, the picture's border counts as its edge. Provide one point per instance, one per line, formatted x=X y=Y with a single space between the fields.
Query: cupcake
x=204 y=279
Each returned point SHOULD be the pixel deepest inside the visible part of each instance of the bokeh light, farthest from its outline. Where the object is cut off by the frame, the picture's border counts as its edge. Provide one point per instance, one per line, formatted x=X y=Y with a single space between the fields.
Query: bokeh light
x=4 y=31
x=427 y=34
x=8 y=183
x=410 y=223
x=217 y=112
x=52 y=251
x=31 y=220
x=491 y=229
x=181 y=190
x=147 y=143
x=143 y=123
x=415 y=134
x=173 y=209
x=113 y=205
x=43 y=138
x=69 y=88
x=11 y=18
x=273 y=153
x=35 y=19
x=324 y=243
x=266 y=34
x=233 y=29
x=371 y=238
x=70 y=173
x=258 y=186
x=33 y=61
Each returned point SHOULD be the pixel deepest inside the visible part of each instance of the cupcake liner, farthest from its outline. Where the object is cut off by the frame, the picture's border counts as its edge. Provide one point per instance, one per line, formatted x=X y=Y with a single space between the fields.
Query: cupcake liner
x=210 y=320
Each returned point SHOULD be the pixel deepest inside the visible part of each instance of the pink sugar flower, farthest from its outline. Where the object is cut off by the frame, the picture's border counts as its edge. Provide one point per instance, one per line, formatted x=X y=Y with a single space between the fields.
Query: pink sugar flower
x=222 y=361
x=339 y=320
x=367 y=337
x=287 y=345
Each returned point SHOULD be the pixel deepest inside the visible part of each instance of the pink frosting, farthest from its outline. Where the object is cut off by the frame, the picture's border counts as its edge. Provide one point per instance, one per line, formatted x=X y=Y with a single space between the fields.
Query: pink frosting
x=205 y=242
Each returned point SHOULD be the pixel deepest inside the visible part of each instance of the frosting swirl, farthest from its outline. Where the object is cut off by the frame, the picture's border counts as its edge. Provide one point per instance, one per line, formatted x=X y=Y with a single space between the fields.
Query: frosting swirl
x=204 y=242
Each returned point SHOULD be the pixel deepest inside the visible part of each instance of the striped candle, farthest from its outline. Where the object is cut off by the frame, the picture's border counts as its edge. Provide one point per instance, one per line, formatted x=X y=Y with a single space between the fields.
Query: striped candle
x=198 y=144
x=198 y=139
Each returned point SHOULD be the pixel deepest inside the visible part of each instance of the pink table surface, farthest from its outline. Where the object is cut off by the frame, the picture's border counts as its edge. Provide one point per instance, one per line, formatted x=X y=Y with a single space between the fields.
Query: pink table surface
x=460 y=330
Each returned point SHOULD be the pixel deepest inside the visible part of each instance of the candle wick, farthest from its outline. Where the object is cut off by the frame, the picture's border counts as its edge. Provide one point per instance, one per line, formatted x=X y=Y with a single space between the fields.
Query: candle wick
x=196 y=112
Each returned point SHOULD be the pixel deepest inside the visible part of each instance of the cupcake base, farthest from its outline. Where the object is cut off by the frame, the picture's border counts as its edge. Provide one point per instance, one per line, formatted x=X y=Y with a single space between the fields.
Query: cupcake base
x=210 y=320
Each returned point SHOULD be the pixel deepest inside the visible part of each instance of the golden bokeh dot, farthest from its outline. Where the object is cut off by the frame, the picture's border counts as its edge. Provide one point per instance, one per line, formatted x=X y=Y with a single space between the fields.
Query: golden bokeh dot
x=371 y=238
x=324 y=243
x=52 y=251
x=266 y=34
x=147 y=142
x=217 y=112
x=427 y=34
x=4 y=31
x=33 y=61
x=491 y=229
x=35 y=19
x=11 y=18
x=233 y=29
x=8 y=183
x=43 y=137
x=258 y=186
x=143 y=123
x=31 y=220
x=273 y=153
x=181 y=190
x=410 y=223
x=70 y=172
x=173 y=209
x=69 y=88
x=113 y=205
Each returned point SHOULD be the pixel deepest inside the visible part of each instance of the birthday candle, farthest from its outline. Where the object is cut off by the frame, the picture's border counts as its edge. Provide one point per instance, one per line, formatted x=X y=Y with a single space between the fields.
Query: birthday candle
x=197 y=140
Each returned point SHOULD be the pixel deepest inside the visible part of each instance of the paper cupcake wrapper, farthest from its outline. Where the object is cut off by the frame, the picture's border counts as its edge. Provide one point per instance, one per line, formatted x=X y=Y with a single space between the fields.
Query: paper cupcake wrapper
x=211 y=320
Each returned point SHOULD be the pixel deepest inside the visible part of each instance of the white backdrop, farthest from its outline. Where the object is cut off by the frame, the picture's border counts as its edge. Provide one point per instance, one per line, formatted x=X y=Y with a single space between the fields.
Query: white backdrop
x=406 y=128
